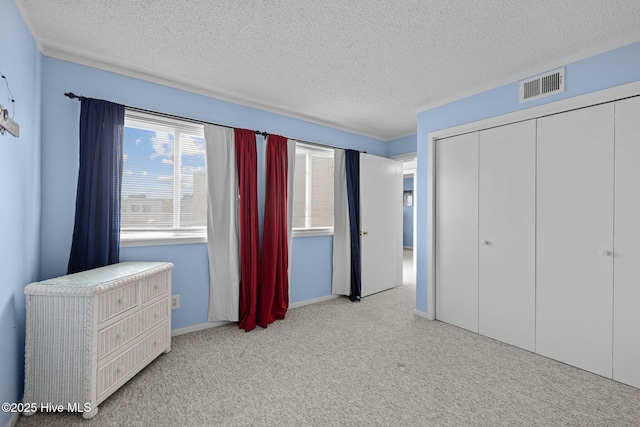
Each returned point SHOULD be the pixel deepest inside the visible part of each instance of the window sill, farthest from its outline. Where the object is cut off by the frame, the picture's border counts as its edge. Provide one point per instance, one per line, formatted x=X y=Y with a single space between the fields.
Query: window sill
x=161 y=239
x=312 y=232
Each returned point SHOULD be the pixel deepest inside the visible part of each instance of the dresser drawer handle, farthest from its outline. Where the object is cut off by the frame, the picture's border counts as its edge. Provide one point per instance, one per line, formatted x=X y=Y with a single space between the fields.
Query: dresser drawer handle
x=119 y=300
x=120 y=335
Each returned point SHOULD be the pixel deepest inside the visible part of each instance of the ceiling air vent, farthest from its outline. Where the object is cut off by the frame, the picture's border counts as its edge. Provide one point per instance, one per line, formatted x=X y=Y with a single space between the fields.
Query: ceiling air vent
x=542 y=85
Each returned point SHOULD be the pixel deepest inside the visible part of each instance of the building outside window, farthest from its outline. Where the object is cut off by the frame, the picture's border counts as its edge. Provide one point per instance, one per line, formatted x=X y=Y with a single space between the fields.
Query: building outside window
x=313 y=190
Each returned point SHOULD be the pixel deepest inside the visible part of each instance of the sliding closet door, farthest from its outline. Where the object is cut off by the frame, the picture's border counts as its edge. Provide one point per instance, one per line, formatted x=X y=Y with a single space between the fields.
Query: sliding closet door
x=507 y=171
x=626 y=307
x=456 y=260
x=380 y=223
x=575 y=238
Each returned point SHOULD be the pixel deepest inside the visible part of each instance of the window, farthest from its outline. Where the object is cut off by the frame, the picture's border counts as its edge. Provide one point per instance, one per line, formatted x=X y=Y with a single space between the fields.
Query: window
x=313 y=189
x=164 y=185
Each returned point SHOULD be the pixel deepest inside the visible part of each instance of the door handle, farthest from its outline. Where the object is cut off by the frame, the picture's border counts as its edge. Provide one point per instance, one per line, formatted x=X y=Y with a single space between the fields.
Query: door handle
x=364 y=233
x=604 y=252
x=486 y=242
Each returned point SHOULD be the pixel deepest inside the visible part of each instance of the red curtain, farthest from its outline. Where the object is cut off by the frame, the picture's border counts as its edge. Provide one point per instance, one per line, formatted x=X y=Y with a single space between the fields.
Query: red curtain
x=247 y=165
x=273 y=295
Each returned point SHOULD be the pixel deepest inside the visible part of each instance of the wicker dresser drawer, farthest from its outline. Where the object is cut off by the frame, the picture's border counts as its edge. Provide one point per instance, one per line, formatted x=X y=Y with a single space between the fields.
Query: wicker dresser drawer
x=119 y=334
x=153 y=288
x=128 y=363
x=117 y=301
x=156 y=313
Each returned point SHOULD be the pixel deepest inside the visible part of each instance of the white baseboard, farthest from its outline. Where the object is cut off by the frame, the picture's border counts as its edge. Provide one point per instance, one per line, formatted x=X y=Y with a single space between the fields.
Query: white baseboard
x=13 y=420
x=313 y=301
x=195 y=328
x=423 y=314
x=207 y=325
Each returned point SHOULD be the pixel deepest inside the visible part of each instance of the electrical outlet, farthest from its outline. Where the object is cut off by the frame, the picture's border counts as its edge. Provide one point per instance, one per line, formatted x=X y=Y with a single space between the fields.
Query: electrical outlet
x=175 y=302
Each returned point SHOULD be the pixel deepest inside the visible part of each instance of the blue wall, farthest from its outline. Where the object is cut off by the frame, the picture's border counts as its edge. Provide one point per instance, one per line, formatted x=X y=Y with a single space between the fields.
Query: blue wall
x=311 y=268
x=405 y=145
x=407 y=217
x=20 y=195
x=606 y=70
x=311 y=258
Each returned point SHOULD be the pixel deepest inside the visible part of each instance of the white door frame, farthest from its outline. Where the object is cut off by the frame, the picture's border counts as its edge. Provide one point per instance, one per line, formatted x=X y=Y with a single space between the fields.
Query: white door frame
x=413 y=175
x=402 y=158
x=601 y=96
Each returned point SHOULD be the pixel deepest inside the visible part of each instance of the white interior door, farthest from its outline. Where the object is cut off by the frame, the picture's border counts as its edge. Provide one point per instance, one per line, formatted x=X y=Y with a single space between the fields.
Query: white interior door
x=456 y=216
x=626 y=320
x=574 y=271
x=507 y=225
x=380 y=223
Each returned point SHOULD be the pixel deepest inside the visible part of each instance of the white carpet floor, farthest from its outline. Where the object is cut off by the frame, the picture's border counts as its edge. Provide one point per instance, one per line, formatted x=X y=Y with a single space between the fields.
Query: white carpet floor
x=369 y=363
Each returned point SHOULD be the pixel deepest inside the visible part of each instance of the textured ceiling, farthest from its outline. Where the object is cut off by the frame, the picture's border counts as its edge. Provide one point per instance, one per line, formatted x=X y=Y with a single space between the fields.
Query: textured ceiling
x=366 y=66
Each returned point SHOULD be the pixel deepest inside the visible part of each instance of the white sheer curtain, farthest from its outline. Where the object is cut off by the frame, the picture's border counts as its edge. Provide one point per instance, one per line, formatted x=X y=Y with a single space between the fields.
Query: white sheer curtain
x=341 y=280
x=222 y=224
x=291 y=165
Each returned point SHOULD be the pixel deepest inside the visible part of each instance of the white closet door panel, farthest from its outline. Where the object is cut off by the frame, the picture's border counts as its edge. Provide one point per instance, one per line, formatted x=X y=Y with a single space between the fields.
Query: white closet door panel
x=626 y=307
x=574 y=268
x=456 y=260
x=507 y=183
x=380 y=223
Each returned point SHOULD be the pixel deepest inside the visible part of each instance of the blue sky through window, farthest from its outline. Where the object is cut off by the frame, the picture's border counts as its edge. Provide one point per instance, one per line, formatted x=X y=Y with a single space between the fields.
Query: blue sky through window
x=148 y=163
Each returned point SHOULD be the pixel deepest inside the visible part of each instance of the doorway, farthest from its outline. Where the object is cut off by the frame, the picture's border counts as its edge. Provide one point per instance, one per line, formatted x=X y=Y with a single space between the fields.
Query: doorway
x=409 y=168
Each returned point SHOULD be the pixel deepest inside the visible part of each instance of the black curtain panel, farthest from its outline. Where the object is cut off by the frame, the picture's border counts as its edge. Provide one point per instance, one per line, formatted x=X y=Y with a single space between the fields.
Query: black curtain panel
x=352 y=158
x=96 y=233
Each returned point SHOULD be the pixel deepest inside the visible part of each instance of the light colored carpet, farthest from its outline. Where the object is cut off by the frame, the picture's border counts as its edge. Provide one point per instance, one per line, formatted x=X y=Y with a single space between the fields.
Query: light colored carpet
x=339 y=363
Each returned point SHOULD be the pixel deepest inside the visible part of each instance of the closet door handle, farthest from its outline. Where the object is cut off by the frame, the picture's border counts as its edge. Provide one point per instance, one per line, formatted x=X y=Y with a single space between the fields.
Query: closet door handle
x=486 y=242
x=604 y=252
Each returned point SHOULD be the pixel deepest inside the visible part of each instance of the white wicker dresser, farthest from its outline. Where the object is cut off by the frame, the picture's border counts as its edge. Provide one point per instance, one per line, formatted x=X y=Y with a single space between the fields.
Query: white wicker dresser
x=89 y=333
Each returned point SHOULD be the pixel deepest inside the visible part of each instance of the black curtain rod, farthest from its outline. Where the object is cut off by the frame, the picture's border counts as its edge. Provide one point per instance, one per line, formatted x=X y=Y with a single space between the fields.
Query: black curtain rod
x=72 y=95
